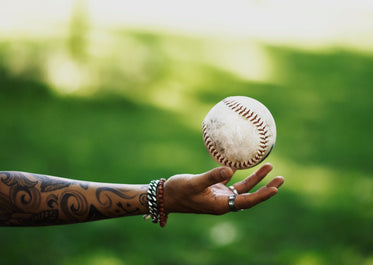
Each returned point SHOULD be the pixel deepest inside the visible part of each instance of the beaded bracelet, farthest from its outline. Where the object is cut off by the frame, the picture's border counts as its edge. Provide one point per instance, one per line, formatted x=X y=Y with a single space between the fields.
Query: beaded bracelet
x=163 y=216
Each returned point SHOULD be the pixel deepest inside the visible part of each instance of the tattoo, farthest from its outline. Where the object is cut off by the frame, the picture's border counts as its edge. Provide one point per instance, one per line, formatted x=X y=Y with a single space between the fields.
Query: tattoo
x=143 y=198
x=30 y=200
x=73 y=204
x=95 y=214
x=52 y=200
x=127 y=209
x=45 y=217
x=22 y=191
x=108 y=192
x=48 y=184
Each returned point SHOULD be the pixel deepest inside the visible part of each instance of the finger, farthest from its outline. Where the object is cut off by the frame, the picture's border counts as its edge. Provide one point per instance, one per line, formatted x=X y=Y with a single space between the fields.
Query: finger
x=248 y=183
x=276 y=182
x=216 y=175
x=245 y=201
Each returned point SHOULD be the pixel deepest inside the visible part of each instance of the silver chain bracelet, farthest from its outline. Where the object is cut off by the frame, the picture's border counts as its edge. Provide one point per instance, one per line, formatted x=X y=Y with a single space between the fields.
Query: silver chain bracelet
x=152 y=201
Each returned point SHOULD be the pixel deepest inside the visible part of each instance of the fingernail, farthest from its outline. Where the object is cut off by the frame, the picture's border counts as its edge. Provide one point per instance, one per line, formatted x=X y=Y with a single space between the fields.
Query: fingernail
x=223 y=172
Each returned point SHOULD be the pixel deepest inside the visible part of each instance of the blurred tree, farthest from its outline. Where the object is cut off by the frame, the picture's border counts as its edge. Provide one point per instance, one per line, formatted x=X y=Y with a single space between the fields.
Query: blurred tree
x=78 y=30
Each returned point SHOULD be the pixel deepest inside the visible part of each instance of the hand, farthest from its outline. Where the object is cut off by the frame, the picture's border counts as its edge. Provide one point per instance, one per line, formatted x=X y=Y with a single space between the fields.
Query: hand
x=207 y=193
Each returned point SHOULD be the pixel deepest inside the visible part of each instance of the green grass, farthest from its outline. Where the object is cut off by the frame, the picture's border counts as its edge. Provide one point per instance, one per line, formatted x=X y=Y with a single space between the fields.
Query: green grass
x=321 y=101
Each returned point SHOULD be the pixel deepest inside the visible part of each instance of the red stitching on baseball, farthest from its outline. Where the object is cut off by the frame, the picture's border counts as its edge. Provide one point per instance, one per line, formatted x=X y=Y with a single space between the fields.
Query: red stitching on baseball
x=258 y=122
x=247 y=114
x=262 y=130
x=256 y=115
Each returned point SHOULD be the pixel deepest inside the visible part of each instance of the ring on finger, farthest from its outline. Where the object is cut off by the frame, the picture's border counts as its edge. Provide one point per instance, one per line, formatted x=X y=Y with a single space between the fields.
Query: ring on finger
x=232 y=188
x=231 y=203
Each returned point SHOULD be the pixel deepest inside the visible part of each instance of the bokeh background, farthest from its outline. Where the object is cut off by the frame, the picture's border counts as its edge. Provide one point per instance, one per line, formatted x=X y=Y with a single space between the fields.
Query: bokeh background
x=116 y=91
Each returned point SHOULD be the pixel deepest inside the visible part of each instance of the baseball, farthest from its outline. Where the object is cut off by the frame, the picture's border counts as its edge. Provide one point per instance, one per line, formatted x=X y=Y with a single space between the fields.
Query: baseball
x=239 y=132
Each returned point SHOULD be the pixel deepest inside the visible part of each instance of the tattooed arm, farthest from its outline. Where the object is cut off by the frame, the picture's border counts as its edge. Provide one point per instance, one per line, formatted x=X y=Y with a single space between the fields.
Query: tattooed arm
x=31 y=200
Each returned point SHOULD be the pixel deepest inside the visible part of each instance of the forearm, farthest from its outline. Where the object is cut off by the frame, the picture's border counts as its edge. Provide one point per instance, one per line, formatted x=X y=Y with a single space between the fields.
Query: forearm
x=29 y=200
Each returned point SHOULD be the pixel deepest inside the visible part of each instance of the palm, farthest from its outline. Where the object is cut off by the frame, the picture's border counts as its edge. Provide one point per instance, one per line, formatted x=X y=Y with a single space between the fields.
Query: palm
x=219 y=189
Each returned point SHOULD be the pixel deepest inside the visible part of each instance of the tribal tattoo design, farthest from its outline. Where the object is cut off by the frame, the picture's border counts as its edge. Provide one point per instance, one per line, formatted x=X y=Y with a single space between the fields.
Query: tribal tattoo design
x=35 y=200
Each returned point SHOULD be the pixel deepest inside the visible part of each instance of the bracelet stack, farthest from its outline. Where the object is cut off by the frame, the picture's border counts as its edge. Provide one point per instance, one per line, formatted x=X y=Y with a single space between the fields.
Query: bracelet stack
x=156 y=202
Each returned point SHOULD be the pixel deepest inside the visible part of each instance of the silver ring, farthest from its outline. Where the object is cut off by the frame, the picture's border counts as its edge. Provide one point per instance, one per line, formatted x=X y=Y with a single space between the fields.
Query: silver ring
x=231 y=203
x=233 y=189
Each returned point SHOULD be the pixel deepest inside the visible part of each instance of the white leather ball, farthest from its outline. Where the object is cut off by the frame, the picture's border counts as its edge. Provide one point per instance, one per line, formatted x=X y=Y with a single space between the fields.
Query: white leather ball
x=239 y=132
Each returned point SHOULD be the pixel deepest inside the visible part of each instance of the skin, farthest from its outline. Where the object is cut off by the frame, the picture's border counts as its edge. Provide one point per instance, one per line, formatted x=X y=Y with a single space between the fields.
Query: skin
x=28 y=199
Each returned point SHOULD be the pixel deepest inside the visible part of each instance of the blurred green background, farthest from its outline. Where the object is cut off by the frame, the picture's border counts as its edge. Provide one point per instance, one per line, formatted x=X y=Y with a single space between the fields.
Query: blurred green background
x=116 y=92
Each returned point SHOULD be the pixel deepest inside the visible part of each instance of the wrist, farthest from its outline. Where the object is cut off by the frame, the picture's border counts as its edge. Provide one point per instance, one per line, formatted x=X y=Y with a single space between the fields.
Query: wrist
x=168 y=198
x=156 y=202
